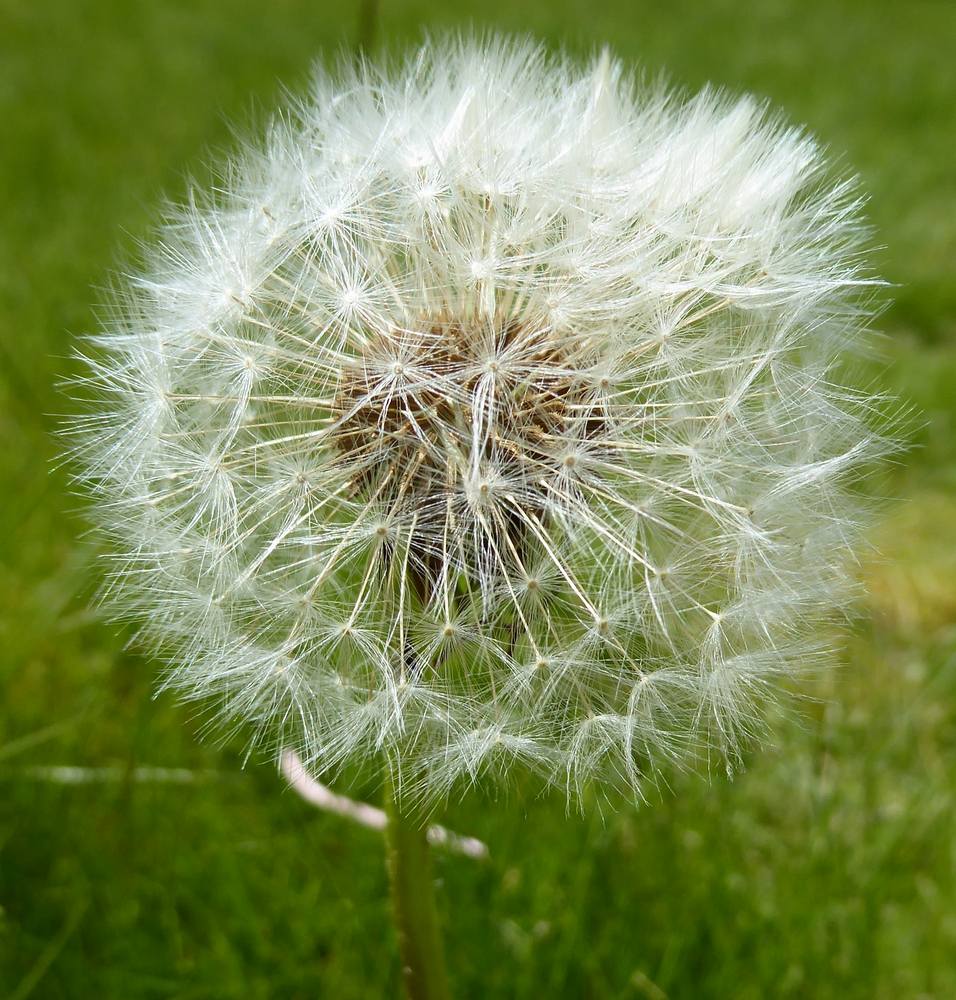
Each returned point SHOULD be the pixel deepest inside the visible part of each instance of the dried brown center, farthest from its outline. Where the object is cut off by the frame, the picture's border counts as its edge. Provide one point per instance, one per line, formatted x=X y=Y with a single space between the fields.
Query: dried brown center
x=433 y=407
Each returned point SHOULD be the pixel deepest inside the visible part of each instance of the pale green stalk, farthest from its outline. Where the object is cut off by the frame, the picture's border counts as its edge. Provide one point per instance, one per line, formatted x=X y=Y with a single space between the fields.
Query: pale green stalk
x=413 y=900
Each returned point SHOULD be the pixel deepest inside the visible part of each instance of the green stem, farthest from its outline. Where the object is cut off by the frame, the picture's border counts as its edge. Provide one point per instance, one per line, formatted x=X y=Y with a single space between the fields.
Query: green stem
x=368 y=23
x=413 y=899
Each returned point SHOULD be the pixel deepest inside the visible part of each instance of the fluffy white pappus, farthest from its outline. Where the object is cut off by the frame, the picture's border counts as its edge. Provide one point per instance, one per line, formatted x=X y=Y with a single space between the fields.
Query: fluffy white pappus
x=490 y=416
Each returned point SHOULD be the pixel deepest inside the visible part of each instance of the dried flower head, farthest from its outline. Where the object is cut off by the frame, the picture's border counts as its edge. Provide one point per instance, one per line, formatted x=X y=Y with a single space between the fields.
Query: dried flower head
x=488 y=416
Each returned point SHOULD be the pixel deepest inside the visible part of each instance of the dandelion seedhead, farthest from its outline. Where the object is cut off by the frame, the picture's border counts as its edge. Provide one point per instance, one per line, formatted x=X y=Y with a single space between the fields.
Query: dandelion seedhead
x=489 y=415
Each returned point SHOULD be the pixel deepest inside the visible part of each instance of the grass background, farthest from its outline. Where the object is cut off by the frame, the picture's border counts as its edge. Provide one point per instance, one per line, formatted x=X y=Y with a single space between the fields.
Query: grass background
x=827 y=869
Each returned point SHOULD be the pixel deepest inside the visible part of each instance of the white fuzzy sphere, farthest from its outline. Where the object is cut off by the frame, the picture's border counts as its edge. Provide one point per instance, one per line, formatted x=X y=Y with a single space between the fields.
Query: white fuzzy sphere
x=488 y=416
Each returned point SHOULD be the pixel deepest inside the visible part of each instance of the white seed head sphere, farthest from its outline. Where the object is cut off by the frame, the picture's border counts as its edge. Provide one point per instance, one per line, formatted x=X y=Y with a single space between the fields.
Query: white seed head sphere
x=488 y=416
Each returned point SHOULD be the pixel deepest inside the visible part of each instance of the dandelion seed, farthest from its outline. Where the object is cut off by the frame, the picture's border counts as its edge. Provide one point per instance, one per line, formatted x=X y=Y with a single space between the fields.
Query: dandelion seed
x=508 y=434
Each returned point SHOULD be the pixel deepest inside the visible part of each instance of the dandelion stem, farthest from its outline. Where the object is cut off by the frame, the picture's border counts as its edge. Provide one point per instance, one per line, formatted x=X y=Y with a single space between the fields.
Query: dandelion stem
x=413 y=900
x=368 y=22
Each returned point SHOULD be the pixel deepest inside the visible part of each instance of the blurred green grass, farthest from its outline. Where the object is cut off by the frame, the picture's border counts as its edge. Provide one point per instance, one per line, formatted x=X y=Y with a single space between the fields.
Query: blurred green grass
x=827 y=869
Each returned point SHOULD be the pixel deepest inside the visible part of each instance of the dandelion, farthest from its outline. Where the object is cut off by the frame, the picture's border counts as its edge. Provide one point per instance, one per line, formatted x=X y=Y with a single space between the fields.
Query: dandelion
x=489 y=416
